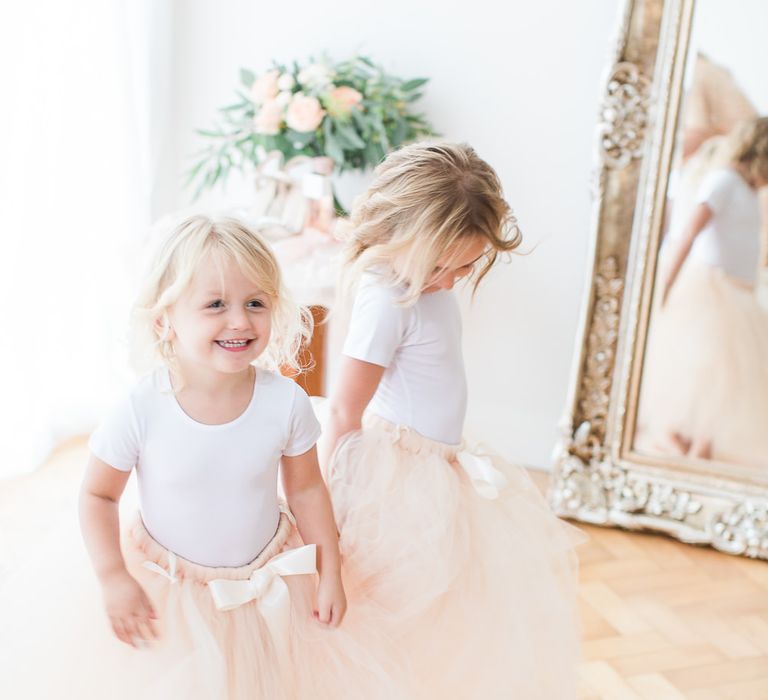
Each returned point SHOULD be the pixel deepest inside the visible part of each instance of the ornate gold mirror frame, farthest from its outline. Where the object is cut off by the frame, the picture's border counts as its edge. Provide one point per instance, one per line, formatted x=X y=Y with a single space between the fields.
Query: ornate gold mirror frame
x=597 y=477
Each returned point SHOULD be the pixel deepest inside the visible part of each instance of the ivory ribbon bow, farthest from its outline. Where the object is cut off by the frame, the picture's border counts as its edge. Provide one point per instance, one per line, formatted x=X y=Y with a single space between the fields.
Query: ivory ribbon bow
x=170 y=574
x=267 y=587
x=486 y=479
x=264 y=585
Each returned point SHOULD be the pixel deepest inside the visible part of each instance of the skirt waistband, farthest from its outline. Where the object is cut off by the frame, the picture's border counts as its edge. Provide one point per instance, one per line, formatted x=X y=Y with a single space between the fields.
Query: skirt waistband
x=410 y=440
x=184 y=569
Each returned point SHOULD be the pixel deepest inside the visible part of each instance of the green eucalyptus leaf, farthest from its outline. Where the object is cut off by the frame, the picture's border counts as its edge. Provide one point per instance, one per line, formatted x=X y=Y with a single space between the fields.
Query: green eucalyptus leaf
x=348 y=136
x=334 y=150
x=300 y=137
x=374 y=153
x=193 y=172
x=233 y=107
x=400 y=132
x=332 y=147
x=413 y=84
x=362 y=123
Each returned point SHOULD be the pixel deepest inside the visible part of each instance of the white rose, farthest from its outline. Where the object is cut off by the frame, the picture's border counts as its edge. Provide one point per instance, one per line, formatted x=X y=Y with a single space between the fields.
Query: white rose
x=285 y=81
x=283 y=98
x=315 y=75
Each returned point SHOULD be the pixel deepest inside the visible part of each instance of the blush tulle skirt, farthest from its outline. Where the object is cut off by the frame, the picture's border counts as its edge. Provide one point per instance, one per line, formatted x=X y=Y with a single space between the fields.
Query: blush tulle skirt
x=455 y=556
x=56 y=641
x=705 y=375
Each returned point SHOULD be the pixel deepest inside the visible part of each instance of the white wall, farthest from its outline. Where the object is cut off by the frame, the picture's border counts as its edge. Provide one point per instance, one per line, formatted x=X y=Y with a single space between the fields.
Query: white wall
x=521 y=82
x=733 y=35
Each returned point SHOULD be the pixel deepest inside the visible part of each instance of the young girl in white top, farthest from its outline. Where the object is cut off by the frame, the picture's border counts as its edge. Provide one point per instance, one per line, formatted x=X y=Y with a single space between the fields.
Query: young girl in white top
x=471 y=573
x=213 y=592
x=709 y=335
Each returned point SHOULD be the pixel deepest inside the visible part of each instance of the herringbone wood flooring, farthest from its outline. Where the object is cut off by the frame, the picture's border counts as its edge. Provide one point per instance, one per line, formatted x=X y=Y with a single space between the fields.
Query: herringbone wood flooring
x=662 y=620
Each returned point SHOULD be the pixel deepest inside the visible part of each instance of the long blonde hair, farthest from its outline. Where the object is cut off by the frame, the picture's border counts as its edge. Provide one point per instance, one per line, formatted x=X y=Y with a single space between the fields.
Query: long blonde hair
x=425 y=198
x=172 y=268
x=745 y=145
x=748 y=146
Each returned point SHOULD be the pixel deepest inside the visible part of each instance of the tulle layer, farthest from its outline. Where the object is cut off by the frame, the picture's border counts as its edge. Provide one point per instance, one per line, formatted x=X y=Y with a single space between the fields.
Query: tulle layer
x=706 y=370
x=477 y=592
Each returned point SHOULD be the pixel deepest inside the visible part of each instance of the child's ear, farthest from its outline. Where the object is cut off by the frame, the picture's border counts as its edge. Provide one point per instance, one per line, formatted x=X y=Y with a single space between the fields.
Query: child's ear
x=163 y=328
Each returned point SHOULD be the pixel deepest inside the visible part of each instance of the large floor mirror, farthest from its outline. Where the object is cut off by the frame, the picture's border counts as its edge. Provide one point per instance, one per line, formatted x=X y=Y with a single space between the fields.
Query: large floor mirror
x=667 y=423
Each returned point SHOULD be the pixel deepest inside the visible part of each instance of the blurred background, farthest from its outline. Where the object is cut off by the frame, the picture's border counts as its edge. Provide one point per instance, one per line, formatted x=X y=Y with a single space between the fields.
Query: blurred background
x=102 y=100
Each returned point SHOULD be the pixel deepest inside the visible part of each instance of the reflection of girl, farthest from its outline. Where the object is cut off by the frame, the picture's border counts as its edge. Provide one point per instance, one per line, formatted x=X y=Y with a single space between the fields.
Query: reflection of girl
x=705 y=381
x=714 y=104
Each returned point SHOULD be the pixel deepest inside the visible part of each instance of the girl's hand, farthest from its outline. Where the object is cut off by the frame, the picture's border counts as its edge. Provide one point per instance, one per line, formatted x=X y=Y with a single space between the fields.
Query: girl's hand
x=129 y=610
x=331 y=600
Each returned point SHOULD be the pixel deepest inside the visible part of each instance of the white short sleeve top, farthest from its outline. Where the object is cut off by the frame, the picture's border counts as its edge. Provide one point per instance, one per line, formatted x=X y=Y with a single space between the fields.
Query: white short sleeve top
x=424 y=384
x=208 y=492
x=731 y=238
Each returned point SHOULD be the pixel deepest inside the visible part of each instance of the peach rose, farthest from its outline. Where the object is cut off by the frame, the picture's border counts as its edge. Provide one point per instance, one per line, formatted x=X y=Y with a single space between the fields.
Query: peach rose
x=268 y=118
x=265 y=87
x=304 y=113
x=342 y=100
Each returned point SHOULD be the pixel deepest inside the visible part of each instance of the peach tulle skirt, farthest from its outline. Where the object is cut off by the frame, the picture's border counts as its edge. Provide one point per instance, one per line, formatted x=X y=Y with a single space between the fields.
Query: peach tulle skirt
x=705 y=375
x=456 y=556
x=56 y=642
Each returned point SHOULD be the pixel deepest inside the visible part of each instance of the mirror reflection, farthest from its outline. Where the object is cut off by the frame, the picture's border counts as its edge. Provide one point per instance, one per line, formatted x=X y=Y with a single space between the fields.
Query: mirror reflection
x=704 y=383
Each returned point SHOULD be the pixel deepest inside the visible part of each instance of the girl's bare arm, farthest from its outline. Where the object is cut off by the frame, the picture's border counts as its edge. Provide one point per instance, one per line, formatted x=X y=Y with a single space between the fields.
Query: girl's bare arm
x=128 y=608
x=309 y=502
x=698 y=220
x=357 y=383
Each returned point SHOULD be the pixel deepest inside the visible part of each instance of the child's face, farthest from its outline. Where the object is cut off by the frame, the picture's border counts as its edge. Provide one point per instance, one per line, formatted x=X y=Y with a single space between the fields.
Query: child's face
x=458 y=261
x=220 y=329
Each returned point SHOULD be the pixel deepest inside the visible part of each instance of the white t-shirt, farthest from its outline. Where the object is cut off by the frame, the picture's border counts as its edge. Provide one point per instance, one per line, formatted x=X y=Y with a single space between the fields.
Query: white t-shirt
x=208 y=492
x=424 y=385
x=731 y=238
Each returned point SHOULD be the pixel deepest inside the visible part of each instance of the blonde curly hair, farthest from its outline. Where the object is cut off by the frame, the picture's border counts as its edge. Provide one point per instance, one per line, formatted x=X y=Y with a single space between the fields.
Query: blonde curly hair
x=425 y=198
x=171 y=270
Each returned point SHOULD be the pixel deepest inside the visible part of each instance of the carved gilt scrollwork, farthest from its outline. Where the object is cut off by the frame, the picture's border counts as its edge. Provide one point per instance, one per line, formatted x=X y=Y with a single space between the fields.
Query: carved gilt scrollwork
x=624 y=116
x=742 y=529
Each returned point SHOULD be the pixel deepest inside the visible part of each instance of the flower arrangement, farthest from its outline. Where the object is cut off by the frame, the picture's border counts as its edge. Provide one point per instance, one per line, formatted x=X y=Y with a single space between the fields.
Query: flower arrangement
x=352 y=111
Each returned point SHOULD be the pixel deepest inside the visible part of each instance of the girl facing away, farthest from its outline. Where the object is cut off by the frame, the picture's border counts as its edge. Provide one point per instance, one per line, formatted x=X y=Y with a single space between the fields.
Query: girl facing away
x=217 y=589
x=472 y=576
x=709 y=334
